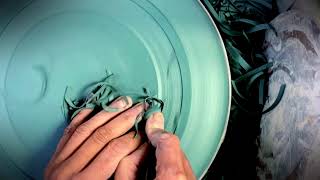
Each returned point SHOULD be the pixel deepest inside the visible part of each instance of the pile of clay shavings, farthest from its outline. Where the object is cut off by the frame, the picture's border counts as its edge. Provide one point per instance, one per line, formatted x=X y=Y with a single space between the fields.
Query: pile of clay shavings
x=101 y=94
x=242 y=25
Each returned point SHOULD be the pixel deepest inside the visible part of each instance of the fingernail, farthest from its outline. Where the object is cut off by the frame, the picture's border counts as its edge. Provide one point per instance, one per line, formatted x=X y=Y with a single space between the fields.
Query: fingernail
x=155 y=122
x=121 y=102
x=155 y=127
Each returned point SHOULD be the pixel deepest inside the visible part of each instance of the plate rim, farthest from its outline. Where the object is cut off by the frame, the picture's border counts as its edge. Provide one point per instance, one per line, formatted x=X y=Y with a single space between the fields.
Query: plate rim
x=229 y=89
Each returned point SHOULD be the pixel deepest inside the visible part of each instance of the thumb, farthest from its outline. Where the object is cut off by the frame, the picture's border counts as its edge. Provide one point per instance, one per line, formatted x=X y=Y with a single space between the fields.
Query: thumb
x=155 y=127
x=158 y=137
x=170 y=158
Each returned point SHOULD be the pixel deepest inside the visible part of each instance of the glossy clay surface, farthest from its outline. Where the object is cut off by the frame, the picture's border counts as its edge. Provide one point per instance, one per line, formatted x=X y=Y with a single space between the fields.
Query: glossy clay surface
x=53 y=44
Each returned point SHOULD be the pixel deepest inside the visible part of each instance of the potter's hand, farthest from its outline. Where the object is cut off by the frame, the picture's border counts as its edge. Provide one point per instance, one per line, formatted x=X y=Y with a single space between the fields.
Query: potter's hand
x=101 y=147
x=92 y=149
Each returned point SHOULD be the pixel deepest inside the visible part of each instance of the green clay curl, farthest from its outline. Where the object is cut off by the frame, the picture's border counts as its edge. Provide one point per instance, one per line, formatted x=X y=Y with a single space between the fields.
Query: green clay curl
x=101 y=94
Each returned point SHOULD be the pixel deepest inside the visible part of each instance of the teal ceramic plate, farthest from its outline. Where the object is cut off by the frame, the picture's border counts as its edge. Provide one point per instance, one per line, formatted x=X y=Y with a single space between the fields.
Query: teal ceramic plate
x=170 y=47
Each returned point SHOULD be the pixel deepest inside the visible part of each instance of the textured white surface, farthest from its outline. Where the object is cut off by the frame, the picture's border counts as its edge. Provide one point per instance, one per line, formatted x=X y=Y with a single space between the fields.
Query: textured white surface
x=290 y=134
x=311 y=7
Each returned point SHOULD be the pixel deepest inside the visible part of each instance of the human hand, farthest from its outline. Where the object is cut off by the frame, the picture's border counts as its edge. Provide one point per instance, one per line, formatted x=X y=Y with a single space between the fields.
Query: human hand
x=93 y=149
x=101 y=147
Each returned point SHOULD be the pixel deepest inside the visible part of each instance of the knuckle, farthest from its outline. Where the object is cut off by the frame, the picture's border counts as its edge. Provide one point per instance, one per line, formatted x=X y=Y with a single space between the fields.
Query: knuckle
x=126 y=141
x=102 y=135
x=116 y=146
x=68 y=130
x=82 y=130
